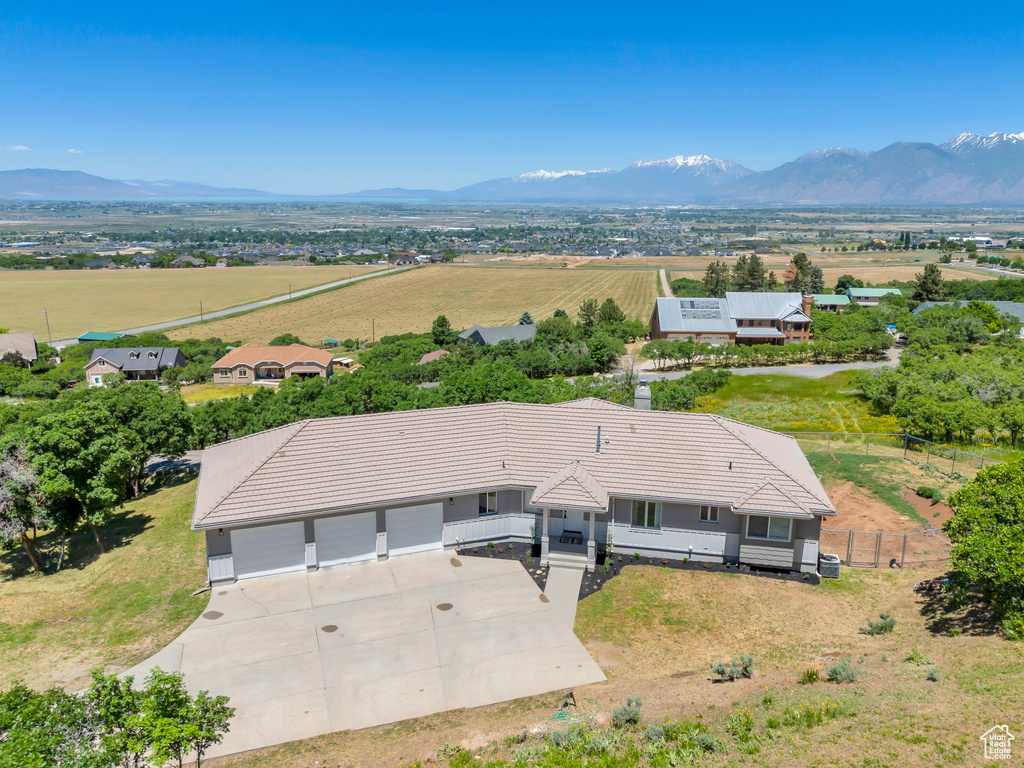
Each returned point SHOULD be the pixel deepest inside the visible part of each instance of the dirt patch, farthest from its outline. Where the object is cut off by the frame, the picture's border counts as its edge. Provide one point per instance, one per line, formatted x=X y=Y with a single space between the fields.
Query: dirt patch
x=859 y=512
x=607 y=655
x=935 y=514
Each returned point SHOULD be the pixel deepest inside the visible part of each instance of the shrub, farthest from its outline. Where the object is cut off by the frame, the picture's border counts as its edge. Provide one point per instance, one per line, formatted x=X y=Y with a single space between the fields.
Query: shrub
x=740 y=724
x=810 y=675
x=885 y=625
x=735 y=669
x=490 y=545
x=636 y=555
x=842 y=672
x=933 y=674
x=808 y=715
x=1013 y=625
x=627 y=717
x=918 y=658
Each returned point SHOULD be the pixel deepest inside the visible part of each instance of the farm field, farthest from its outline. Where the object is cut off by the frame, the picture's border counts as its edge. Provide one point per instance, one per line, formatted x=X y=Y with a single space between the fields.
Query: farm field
x=410 y=301
x=114 y=300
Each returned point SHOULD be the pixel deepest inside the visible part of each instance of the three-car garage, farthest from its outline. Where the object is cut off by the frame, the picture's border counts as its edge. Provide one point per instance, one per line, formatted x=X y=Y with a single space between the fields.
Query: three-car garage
x=336 y=539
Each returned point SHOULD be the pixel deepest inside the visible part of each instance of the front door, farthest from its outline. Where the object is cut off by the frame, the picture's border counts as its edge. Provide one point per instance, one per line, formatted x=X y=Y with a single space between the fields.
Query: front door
x=574 y=521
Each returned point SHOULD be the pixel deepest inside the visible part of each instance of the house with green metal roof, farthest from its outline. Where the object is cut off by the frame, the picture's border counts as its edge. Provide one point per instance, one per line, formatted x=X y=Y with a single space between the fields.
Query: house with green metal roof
x=830 y=302
x=99 y=336
x=869 y=297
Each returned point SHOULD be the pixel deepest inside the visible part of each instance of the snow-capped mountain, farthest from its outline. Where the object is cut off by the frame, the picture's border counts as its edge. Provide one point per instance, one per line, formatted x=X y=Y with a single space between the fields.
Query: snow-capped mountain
x=552 y=175
x=968 y=142
x=821 y=154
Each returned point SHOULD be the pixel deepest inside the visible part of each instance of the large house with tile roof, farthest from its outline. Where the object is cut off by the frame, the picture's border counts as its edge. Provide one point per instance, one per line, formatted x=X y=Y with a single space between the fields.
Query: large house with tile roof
x=571 y=478
x=256 y=364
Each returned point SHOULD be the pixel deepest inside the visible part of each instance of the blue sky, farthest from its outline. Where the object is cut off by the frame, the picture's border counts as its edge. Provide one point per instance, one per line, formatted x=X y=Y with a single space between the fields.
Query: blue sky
x=315 y=98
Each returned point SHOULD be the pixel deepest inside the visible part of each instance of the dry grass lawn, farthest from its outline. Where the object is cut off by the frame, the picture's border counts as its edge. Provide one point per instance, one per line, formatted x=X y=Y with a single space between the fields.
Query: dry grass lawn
x=110 y=610
x=409 y=301
x=114 y=300
x=654 y=631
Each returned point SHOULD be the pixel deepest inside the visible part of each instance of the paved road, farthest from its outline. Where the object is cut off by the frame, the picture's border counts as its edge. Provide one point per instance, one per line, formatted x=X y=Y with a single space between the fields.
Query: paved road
x=245 y=307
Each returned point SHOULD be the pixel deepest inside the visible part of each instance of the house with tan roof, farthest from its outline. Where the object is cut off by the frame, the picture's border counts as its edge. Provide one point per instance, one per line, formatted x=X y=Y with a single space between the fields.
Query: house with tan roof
x=571 y=478
x=257 y=364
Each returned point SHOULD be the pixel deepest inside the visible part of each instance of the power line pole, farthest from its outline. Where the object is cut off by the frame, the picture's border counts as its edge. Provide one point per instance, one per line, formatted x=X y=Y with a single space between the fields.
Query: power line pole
x=200 y=310
x=373 y=329
x=49 y=339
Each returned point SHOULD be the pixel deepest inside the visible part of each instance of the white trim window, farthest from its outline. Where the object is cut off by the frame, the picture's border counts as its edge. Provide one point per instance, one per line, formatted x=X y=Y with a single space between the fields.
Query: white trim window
x=769 y=528
x=646 y=514
x=709 y=514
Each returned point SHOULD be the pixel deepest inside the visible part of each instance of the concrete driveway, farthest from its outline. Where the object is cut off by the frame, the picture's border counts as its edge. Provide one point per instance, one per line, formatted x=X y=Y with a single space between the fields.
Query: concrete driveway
x=360 y=645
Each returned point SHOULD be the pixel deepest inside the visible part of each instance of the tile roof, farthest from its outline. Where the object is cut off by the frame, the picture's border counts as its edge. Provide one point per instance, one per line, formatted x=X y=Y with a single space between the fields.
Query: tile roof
x=430 y=357
x=253 y=354
x=572 y=487
x=24 y=343
x=371 y=460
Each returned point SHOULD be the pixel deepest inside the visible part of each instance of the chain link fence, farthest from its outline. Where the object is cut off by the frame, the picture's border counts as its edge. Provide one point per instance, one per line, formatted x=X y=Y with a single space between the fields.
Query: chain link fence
x=910 y=448
x=871 y=549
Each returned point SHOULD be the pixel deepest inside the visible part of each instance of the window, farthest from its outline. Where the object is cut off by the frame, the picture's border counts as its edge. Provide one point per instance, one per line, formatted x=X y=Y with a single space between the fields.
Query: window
x=102 y=363
x=242 y=373
x=152 y=355
x=772 y=528
x=488 y=503
x=646 y=514
x=133 y=355
x=708 y=514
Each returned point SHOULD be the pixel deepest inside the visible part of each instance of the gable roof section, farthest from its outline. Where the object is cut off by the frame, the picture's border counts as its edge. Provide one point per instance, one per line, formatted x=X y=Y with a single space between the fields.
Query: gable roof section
x=573 y=487
x=253 y=354
x=378 y=460
x=501 y=333
x=764 y=306
x=769 y=496
x=145 y=360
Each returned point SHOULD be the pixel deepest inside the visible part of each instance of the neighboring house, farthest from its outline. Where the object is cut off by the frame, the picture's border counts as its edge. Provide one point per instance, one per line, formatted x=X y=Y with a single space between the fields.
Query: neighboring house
x=22 y=343
x=485 y=336
x=99 y=336
x=403 y=257
x=1011 y=308
x=829 y=302
x=254 y=363
x=869 y=297
x=188 y=261
x=569 y=476
x=136 y=363
x=726 y=253
x=141 y=260
x=739 y=318
x=100 y=264
x=432 y=356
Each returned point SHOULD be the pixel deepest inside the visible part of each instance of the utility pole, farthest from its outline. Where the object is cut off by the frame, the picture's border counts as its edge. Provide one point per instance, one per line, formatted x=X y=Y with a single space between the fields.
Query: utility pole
x=373 y=329
x=289 y=290
x=200 y=310
x=49 y=339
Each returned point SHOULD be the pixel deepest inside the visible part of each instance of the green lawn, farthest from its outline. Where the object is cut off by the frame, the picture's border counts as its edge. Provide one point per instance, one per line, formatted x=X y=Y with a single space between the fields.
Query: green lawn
x=798 y=404
x=109 y=610
x=200 y=393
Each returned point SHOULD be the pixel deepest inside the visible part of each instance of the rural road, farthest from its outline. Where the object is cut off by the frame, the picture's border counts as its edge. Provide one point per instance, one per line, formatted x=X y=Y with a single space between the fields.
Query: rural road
x=245 y=307
x=666 y=288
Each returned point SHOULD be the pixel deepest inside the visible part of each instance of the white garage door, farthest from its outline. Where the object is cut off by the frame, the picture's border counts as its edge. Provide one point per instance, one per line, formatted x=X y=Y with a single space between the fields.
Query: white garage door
x=268 y=549
x=346 y=538
x=414 y=529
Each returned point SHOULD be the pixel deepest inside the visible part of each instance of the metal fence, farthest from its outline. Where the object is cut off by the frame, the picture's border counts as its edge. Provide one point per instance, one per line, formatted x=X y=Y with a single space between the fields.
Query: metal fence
x=869 y=549
x=911 y=448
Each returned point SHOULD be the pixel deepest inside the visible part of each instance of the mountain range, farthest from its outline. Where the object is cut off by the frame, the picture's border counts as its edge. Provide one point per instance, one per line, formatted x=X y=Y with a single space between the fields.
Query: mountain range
x=966 y=170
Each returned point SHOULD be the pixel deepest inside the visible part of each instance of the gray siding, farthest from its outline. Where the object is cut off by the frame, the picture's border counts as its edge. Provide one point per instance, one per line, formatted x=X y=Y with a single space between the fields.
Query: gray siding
x=688 y=516
x=510 y=501
x=310 y=531
x=464 y=508
x=217 y=544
